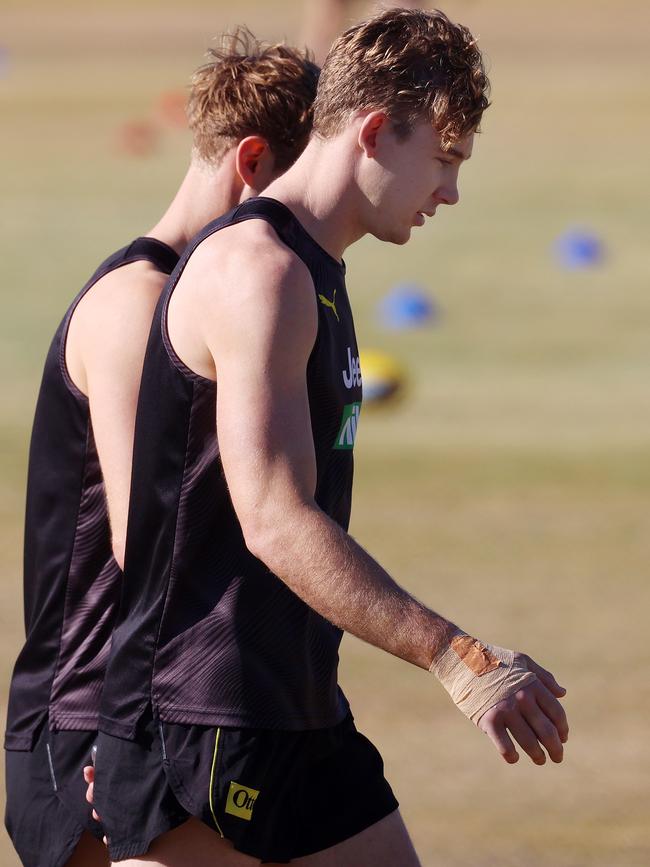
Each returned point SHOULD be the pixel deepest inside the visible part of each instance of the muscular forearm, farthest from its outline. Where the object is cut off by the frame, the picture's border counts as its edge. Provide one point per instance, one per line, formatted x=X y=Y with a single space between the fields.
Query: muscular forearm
x=333 y=574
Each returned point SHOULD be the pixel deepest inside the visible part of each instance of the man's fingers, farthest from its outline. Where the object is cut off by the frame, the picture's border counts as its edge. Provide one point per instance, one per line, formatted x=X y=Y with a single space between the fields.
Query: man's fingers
x=526 y=738
x=546 y=677
x=555 y=712
x=545 y=732
x=89 y=777
x=500 y=738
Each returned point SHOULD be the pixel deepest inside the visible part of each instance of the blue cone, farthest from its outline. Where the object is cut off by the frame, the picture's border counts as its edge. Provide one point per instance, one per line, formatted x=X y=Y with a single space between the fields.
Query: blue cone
x=407 y=306
x=578 y=248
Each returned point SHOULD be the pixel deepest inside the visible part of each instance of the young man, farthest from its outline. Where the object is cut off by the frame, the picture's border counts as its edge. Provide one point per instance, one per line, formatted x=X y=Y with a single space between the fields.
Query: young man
x=250 y=111
x=240 y=574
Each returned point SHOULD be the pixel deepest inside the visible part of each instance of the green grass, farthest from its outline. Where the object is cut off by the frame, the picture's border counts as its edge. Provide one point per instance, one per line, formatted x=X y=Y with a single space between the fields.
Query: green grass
x=510 y=487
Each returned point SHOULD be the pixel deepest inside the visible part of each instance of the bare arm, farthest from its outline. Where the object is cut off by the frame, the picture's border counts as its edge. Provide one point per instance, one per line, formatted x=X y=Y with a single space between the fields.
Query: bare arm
x=260 y=326
x=260 y=334
x=104 y=353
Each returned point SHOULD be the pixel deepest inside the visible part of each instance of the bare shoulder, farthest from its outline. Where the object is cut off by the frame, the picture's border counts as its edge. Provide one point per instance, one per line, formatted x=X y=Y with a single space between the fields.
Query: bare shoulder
x=251 y=256
x=124 y=292
x=241 y=288
x=110 y=325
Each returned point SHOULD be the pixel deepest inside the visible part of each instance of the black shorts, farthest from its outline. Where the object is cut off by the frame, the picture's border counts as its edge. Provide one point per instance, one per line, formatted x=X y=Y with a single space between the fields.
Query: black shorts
x=132 y=795
x=276 y=795
x=43 y=826
x=70 y=754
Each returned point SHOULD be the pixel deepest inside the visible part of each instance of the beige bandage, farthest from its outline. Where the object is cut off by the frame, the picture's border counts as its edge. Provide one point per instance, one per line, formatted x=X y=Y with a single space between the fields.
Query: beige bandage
x=477 y=676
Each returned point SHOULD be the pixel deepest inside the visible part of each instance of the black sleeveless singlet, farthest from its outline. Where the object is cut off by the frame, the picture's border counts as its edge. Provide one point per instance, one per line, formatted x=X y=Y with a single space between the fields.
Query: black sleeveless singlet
x=208 y=635
x=71 y=581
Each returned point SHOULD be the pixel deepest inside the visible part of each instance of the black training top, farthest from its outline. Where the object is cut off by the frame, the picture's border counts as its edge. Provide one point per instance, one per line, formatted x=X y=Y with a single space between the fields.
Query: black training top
x=209 y=635
x=71 y=579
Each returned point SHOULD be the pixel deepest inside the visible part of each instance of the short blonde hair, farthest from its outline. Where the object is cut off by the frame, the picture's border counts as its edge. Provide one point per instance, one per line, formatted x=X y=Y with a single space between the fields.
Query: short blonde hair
x=415 y=65
x=252 y=88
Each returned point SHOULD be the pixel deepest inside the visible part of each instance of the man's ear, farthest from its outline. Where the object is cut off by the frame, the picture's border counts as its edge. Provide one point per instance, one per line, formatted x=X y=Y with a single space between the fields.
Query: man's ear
x=372 y=126
x=254 y=162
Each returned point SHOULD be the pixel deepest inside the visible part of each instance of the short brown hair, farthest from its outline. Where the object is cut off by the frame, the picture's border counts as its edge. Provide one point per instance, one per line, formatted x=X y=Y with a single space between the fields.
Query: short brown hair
x=415 y=65
x=252 y=88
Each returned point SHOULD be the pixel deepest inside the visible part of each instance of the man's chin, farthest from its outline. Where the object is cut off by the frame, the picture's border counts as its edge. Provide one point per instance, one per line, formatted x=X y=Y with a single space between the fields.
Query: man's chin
x=394 y=236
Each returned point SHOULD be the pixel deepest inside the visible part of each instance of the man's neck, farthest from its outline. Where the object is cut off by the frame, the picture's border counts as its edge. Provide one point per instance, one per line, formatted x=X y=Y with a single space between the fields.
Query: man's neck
x=205 y=194
x=320 y=190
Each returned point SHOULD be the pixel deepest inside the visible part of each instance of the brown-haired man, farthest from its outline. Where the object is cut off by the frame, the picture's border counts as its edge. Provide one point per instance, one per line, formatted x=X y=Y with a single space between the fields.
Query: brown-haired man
x=323 y=20
x=250 y=112
x=240 y=573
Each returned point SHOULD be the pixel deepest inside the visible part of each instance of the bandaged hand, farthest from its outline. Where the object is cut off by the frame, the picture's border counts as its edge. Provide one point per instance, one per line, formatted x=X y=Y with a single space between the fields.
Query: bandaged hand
x=477 y=676
x=502 y=691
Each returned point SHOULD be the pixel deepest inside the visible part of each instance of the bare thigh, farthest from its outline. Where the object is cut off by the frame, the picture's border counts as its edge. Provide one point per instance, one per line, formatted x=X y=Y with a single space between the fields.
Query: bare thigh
x=385 y=844
x=89 y=852
x=192 y=844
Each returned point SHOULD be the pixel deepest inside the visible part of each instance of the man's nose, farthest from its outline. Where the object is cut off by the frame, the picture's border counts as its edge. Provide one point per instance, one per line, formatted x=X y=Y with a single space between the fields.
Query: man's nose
x=448 y=194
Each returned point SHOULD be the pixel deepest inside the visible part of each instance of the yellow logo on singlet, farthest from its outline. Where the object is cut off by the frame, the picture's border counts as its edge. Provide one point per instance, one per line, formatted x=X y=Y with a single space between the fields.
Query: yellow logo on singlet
x=331 y=304
x=241 y=801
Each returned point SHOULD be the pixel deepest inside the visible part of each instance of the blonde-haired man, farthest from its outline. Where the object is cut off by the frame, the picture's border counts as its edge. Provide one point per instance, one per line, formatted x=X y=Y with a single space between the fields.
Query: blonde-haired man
x=250 y=112
x=240 y=573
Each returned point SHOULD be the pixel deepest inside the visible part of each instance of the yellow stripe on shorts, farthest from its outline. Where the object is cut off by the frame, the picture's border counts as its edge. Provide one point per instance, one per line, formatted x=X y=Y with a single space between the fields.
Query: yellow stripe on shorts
x=212 y=775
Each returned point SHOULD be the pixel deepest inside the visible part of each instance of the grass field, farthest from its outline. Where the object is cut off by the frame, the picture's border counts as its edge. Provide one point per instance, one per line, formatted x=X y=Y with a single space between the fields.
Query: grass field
x=511 y=488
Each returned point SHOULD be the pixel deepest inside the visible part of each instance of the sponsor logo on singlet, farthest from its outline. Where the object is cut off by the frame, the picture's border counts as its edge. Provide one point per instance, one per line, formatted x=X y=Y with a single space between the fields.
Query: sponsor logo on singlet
x=331 y=304
x=241 y=801
x=348 y=430
x=352 y=376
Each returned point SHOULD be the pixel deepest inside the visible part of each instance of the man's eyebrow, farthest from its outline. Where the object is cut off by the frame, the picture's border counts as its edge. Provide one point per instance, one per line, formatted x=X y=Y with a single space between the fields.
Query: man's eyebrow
x=454 y=152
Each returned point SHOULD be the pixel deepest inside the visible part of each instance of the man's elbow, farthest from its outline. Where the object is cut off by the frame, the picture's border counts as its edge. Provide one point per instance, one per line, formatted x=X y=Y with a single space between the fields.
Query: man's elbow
x=267 y=534
x=259 y=537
